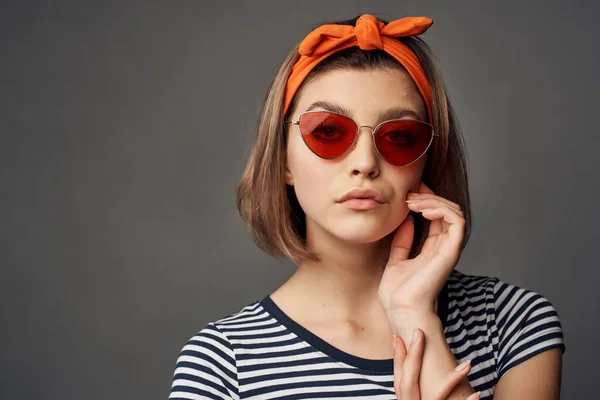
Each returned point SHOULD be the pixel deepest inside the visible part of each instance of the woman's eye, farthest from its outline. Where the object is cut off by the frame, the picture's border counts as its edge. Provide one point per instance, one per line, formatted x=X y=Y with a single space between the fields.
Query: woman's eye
x=399 y=137
x=327 y=132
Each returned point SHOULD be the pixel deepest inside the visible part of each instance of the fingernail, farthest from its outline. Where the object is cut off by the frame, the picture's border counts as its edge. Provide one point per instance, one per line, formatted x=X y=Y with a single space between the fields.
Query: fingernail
x=412 y=201
x=413 y=339
x=394 y=341
x=462 y=366
x=474 y=396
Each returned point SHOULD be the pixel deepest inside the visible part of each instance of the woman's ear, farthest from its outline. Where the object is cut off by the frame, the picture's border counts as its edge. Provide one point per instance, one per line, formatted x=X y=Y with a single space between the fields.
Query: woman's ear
x=289 y=179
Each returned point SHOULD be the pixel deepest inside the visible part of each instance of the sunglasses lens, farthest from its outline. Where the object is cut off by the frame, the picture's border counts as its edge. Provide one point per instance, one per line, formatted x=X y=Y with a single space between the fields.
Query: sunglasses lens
x=328 y=135
x=400 y=142
x=403 y=141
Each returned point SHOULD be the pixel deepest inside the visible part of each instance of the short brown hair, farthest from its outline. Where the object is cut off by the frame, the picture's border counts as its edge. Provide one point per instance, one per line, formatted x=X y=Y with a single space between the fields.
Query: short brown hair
x=270 y=207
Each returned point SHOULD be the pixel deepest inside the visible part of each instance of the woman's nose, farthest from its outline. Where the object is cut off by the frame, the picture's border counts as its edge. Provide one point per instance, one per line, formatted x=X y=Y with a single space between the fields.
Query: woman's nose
x=363 y=158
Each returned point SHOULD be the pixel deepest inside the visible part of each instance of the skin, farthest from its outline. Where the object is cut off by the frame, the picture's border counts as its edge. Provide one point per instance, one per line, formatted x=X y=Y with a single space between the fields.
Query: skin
x=354 y=245
x=365 y=289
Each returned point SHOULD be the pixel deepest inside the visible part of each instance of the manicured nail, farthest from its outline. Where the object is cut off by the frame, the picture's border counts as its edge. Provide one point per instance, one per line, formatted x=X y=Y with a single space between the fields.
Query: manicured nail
x=394 y=342
x=462 y=366
x=413 y=339
x=474 y=396
x=412 y=201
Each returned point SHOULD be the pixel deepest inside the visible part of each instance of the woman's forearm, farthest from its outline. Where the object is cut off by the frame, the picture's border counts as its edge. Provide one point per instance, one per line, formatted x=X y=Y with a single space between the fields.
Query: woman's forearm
x=438 y=359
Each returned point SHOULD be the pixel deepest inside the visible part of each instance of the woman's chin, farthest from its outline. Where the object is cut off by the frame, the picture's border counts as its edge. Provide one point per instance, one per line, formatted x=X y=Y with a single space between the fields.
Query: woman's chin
x=363 y=234
x=354 y=230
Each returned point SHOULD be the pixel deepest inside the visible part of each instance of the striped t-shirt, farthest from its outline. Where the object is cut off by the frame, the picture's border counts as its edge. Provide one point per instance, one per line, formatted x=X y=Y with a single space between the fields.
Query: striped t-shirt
x=261 y=353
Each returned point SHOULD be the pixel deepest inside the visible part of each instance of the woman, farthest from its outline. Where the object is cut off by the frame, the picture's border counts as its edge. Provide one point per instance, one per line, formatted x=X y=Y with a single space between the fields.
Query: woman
x=358 y=174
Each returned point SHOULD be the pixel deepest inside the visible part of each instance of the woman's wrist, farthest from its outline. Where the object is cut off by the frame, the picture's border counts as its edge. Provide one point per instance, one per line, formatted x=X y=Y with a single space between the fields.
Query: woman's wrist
x=438 y=359
x=404 y=321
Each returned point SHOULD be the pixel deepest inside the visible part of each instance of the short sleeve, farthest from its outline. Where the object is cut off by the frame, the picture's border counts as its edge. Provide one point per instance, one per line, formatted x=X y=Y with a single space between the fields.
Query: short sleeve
x=527 y=323
x=206 y=368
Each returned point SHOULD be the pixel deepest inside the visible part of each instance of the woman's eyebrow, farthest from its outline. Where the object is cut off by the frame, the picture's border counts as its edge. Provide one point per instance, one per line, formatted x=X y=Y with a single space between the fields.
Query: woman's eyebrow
x=397 y=113
x=385 y=115
x=329 y=106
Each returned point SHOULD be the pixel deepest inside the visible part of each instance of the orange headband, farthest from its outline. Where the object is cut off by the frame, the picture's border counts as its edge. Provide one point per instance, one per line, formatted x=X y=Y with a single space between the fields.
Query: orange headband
x=369 y=34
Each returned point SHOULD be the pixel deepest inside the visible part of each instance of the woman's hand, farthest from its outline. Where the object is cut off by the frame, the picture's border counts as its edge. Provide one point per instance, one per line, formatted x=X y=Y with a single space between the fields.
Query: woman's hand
x=414 y=284
x=407 y=368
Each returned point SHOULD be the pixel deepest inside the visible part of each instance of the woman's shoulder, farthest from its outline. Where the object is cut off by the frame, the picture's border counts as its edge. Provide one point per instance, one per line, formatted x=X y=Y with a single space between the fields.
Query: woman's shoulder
x=466 y=282
x=241 y=319
x=506 y=299
x=505 y=295
x=207 y=363
x=522 y=321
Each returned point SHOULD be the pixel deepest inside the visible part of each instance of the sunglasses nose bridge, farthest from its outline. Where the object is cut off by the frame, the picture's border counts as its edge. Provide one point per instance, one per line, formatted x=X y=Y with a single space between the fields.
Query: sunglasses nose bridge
x=356 y=136
x=365 y=126
x=358 y=130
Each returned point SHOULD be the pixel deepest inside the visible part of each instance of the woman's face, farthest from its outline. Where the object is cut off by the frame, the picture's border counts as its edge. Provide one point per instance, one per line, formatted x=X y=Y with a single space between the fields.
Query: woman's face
x=319 y=183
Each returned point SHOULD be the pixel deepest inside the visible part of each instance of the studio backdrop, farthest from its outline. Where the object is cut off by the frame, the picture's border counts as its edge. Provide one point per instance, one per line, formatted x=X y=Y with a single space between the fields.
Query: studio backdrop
x=125 y=126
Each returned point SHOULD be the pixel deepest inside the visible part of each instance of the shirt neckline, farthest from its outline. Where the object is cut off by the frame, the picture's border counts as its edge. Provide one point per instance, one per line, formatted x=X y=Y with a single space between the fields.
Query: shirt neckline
x=382 y=366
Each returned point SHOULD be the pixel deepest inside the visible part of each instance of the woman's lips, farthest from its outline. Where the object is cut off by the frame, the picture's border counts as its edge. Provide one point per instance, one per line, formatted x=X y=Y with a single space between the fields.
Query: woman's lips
x=361 y=204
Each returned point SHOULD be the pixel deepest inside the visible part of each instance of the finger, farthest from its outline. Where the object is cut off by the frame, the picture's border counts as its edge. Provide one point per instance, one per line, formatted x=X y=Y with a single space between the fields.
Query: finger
x=409 y=384
x=412 y=197
x=452 y=379
x=399 y=357
x=444 y=220
x=420 y=204
x=402 y=241
x=425 y=192
x=437 y=226
x=456 y=223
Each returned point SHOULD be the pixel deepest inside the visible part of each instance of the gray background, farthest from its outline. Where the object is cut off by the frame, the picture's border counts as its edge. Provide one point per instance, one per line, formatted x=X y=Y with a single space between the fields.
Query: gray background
x=125 y=127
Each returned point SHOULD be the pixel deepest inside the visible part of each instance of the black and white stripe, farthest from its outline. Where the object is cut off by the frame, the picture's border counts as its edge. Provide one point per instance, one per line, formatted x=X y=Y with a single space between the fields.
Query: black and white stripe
x=260 y=353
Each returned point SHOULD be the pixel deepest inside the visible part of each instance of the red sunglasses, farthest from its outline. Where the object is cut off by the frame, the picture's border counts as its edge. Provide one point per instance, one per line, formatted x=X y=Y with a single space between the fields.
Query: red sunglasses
x=330 y=135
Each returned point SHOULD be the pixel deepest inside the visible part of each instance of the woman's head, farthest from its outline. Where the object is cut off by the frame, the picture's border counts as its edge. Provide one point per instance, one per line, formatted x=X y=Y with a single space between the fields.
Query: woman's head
x=286 y=186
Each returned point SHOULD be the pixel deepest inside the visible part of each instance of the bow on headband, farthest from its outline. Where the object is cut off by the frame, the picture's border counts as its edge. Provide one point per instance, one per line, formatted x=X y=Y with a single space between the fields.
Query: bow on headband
x=368 y=34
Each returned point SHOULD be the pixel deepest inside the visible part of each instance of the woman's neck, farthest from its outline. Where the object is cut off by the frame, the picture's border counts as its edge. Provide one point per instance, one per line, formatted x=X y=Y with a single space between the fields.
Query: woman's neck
x=343 y=283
